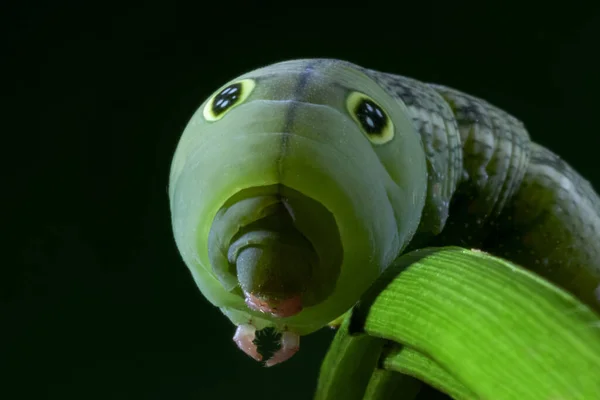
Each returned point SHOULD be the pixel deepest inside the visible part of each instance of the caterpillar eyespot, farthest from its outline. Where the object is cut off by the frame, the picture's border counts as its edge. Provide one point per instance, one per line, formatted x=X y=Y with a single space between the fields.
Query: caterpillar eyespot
x=371 y=117
x=227 y=99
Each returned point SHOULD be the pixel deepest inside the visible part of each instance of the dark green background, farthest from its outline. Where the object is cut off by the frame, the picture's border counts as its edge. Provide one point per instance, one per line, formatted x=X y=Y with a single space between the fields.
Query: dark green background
x=97 y=303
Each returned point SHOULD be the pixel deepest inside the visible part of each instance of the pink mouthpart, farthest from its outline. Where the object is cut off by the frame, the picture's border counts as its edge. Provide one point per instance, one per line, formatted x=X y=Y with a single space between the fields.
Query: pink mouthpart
x=281 y=309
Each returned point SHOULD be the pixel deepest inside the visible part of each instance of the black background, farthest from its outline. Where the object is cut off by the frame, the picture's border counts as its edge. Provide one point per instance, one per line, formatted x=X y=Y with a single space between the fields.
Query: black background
x=97 y=303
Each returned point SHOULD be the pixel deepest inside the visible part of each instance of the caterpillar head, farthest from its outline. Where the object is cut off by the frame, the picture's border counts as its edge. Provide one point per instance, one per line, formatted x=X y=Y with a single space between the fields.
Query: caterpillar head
x=292 y=187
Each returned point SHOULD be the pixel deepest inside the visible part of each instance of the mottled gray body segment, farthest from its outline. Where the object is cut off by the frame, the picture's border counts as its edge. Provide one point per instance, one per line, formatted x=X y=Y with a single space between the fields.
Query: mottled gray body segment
x=492 y=188
x=434 y=120
x=496 y=150
x=552 y=225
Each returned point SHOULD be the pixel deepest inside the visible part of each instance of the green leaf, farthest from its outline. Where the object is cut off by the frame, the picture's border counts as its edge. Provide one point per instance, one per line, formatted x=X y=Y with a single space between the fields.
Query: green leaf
x=388 y=385
x=503 y=332
x=414 y=364
x=348 y=365
x=470 y=324
x=350 y=371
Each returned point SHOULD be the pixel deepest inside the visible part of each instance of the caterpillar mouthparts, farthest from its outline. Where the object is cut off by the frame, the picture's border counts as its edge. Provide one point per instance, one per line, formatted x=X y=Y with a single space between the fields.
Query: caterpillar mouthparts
x=281 y=309
x=246 y=334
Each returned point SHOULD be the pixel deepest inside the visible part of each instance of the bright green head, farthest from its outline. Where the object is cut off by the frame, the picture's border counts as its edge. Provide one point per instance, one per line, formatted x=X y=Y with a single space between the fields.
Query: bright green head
x=292 y=187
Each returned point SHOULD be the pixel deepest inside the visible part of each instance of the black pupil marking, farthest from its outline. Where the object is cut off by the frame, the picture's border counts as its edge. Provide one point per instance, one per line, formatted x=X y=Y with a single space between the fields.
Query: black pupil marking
x=226 y=98
x=371 y=117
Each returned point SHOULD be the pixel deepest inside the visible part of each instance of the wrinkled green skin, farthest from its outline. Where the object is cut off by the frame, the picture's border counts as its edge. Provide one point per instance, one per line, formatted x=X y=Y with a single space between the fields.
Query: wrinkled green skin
x=458 y=171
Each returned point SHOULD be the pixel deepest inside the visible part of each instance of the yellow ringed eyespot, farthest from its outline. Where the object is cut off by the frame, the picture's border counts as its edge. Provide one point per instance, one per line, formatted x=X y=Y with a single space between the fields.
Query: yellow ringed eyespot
x=228 y=98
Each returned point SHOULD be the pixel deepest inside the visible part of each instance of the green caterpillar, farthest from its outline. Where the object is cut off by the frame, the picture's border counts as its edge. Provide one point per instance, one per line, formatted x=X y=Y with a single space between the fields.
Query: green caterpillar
x=295 y=185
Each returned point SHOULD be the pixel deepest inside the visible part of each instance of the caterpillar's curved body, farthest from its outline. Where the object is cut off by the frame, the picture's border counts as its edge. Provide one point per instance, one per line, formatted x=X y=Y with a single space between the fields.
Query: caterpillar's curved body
x=296 y=184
